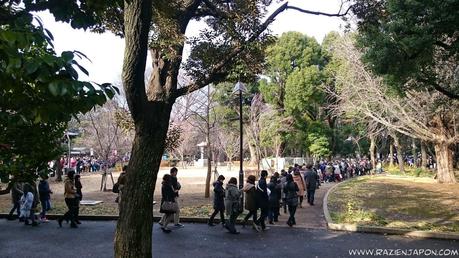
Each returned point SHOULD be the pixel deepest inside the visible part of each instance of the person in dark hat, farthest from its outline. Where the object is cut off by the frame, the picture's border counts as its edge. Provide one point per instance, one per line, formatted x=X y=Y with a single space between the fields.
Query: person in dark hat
x=219 y=201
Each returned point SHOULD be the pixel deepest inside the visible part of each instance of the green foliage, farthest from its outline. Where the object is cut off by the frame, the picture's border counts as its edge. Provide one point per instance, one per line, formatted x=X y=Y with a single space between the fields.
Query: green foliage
x=411 y=40
x=40 y=93
x=319 y=145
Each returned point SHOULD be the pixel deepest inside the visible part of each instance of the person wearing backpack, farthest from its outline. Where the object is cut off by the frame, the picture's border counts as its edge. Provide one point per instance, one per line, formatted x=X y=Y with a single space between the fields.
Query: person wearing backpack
x=263 y=200
x=219 y=201
x=27 y=203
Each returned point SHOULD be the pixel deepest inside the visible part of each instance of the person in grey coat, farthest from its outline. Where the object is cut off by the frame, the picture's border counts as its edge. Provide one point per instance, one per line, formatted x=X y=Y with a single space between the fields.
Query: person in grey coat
x=232 y=204
x=310 y=178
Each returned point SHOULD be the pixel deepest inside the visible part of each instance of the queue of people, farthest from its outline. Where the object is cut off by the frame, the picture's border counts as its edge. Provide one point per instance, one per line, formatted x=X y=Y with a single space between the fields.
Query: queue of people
x=286 y=190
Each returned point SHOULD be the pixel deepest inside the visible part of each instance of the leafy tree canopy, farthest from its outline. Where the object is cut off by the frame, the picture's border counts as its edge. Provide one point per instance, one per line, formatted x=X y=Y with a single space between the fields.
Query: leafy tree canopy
x=411 y=42
x=40 y=93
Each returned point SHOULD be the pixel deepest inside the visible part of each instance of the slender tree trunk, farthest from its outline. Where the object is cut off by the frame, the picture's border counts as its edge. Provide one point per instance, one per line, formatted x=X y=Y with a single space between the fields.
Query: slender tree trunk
x=399 y=148
x=413 y=152
x=209 y=167
x=209 y=149
x=423 y=155
x=372 y=151
x=253 y=154
x=59 y=169
x=391 y=154
x=445 y=171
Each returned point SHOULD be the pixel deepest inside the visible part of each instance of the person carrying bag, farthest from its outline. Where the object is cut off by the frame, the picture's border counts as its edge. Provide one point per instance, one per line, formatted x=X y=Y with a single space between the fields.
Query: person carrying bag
x=168 y=202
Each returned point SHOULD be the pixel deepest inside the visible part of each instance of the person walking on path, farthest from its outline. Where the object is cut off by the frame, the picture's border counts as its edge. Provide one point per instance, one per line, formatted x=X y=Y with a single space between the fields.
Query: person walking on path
x=16 y=194
x=299 y=180
x=168 y=194
x=291 y=195
x=45 y=195
x=219 y=201
x=250 y=202
x=311 y=178
x=232 y=203
x=27 y=205
x=283 y=181
x=70 y=200
x=176 y=186
x=263 y=200
x=274 y=198
x=79 y=197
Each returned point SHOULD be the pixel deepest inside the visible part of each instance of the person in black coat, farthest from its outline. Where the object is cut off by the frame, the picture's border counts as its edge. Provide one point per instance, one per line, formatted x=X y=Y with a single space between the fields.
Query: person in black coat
x=263 y=200
x=219 y=201
x=167 y=195
x=311 y=179
x=274 y=198
x=291 y=195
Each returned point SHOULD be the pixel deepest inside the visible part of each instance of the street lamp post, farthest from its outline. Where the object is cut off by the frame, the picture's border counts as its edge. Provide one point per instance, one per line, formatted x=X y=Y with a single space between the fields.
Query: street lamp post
x=240 y=88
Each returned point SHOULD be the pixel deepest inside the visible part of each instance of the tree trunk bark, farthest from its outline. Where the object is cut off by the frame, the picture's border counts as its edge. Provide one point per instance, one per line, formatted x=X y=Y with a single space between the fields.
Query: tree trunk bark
x=133 y=237
x=253 y=155
x=59 y=169
x=391 y=154
x=445 y=171
x=399 y=148
x=413 y=152
x=209 y=167
x=423 y=155
x=372 y=152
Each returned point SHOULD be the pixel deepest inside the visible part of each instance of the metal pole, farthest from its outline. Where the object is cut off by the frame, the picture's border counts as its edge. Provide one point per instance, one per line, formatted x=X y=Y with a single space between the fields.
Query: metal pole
x=241 y=160
x=68 y=154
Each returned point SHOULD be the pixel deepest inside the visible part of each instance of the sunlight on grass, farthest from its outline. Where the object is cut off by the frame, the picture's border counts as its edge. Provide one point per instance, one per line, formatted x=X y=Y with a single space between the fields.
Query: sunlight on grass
x=409 y=203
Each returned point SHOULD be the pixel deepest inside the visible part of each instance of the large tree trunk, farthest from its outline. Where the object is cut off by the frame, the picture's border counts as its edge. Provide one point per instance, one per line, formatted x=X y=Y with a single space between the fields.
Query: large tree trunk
x=445 y=171
x=372 y=152
x=399 y=148
x=423 y=155
x=391 y=154
x=133 y=237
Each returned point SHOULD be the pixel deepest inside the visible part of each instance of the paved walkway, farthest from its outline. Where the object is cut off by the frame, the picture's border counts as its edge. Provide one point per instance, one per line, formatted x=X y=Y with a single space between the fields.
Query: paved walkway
x=95 y=239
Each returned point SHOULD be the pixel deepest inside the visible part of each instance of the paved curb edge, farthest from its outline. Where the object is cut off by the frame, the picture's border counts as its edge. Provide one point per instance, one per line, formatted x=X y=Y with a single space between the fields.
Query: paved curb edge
x=380 y=230
x=114 y=217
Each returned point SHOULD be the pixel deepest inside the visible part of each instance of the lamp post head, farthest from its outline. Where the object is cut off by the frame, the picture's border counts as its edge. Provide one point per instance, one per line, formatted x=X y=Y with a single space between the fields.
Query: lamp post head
x=239 y=87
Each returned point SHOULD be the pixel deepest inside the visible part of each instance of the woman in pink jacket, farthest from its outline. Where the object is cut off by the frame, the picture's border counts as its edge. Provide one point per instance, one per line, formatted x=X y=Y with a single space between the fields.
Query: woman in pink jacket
x=299 y=180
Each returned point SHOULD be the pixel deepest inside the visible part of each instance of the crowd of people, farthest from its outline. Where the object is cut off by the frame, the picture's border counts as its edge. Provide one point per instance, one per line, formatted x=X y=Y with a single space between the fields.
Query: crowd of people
x=263 y=200
x=84 y=163
x=26 y=197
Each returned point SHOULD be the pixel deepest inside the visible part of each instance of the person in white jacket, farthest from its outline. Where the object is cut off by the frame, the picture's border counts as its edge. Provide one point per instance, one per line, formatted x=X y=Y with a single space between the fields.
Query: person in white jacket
x=27 y=200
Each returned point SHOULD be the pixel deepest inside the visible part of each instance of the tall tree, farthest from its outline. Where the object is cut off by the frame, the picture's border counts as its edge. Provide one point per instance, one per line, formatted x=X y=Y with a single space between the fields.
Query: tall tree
x=40 y=93
x=426 y=115
x=408 y=41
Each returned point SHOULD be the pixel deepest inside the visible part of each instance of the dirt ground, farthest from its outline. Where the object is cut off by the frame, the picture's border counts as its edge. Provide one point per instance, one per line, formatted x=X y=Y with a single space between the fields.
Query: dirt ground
x=397 y=201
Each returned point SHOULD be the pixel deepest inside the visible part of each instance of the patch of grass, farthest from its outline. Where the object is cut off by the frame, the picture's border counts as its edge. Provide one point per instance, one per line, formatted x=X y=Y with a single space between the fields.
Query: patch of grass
x=355 y=215
x=410 y=171
x=403 y=202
